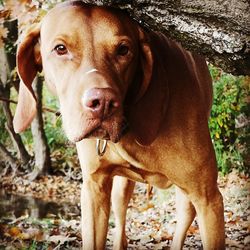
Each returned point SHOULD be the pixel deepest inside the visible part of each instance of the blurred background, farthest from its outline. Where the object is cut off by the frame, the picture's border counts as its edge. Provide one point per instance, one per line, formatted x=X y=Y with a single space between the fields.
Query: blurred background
x=41 y=162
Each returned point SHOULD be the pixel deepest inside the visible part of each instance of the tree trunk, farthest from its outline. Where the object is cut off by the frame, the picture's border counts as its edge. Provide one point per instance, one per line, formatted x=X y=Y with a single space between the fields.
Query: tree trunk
x=7 y=157
x=16 y=138
x=41 y=148
x=5 y=78
x=218 y=29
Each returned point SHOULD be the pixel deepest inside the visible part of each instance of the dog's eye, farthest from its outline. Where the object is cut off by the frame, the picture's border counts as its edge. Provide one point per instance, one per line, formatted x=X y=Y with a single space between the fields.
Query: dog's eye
x=123 y=50
x=61 y=50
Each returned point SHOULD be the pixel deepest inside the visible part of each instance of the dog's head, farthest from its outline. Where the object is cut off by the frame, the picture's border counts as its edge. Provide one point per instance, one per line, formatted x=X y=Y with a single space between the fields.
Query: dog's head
x=97 y=61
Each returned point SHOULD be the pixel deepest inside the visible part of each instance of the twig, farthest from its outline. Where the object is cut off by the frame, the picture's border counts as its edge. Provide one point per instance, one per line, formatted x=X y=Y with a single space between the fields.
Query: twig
x=57 y=113
x=7 y=100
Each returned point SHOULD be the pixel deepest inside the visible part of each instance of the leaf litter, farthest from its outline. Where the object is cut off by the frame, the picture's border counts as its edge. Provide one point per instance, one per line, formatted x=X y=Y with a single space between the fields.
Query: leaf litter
x=150 y=218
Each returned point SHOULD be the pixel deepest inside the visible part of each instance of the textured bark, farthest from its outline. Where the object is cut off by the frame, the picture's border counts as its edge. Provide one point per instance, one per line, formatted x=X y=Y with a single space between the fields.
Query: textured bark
x=41 y=148
x=5 y=79
x=218 y=29
x=7 y=157
x=16 y=138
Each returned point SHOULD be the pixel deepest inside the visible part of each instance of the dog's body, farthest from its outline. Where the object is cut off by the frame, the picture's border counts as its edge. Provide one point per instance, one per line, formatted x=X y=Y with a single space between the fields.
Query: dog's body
x=107 y=73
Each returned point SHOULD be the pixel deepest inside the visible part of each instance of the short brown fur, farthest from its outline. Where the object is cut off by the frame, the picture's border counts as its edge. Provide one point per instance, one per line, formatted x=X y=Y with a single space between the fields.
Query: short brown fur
x=160 y=90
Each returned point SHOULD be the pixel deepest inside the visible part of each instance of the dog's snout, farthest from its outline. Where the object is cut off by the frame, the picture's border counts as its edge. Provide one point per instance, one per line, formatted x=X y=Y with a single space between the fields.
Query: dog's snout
x=101 y=102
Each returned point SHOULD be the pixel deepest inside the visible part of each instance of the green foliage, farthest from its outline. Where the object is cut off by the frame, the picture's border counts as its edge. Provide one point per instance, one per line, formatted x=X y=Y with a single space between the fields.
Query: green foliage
x=10 y=47
x=3 y=132
x=229 y=124
x=53 y=123
x=230 y=103
x=33 y=246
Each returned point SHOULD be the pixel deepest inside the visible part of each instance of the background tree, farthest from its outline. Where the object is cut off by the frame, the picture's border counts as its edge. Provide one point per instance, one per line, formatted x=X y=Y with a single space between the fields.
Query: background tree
x=15 y=20
x=217 y=29
x=7 y=66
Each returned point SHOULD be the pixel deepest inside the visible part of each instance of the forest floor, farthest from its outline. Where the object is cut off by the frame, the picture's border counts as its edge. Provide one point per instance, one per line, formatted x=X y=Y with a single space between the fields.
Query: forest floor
x=52 y=219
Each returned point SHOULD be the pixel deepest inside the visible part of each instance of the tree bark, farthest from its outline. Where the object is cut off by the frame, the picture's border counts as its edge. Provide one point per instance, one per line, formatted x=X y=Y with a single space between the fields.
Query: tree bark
x=16 y=138
x=5 y=78
x=41 y=148
x=7 y=157
x=218 y=29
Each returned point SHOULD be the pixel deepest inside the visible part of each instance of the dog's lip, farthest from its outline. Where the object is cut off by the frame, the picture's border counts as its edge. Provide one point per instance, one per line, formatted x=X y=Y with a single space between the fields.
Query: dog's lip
x=100 y=132
x=95 y=133
x=78 y=138
x=86 y=132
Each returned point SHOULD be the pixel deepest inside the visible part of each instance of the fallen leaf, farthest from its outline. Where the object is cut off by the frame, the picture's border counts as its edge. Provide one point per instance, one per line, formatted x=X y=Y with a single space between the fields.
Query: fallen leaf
x=60 y=239
x=14 y=232
x=193 y=230
x=166 y=236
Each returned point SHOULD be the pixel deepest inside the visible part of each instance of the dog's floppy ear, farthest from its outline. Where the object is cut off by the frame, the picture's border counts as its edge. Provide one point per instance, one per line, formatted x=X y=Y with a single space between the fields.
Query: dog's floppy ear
x=146 y=61
x=148 y=111
x=28 y=64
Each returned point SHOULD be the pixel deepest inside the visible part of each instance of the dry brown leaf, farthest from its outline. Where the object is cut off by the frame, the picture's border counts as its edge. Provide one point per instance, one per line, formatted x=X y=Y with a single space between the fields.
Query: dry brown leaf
x=14 y=232
x=146 y=207
x=193 y=230
x=166 y=236
x=25 y=1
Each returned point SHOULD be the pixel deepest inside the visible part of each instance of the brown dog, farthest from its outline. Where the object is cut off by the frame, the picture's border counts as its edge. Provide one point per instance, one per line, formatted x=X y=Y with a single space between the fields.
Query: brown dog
x=140 y=93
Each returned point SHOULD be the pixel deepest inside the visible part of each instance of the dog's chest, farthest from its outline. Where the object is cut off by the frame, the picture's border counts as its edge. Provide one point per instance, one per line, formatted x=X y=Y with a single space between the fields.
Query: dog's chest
x=135 y=164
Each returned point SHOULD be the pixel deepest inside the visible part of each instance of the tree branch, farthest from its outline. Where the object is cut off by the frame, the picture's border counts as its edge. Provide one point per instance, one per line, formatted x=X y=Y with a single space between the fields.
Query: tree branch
x=219 y=30
x=57 y=113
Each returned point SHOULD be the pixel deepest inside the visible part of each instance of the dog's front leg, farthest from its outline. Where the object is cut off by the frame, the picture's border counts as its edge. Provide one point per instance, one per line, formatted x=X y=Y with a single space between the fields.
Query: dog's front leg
x=121 y=194
x=95 y=196
x=95 y=208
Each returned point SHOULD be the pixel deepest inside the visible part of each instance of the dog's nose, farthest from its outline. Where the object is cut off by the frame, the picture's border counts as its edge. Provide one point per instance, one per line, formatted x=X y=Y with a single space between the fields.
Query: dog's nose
x=101 y=102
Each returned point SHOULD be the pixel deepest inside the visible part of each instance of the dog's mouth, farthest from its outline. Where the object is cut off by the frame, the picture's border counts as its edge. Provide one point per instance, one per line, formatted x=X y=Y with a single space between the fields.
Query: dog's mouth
x=106 y=130
x=109 y=131
x=99 y=133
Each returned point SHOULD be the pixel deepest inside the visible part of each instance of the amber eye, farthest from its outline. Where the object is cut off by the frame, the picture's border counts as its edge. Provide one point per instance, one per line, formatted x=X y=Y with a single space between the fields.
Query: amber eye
x=123 y=50
x=61 y=50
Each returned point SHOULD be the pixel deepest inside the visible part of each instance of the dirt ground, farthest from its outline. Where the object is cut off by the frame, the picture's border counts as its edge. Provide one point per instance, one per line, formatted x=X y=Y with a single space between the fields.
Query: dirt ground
x=150 y=222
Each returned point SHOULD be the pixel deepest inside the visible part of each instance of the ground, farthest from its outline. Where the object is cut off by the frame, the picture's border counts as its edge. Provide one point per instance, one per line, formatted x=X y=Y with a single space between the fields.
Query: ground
x=49 y=214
